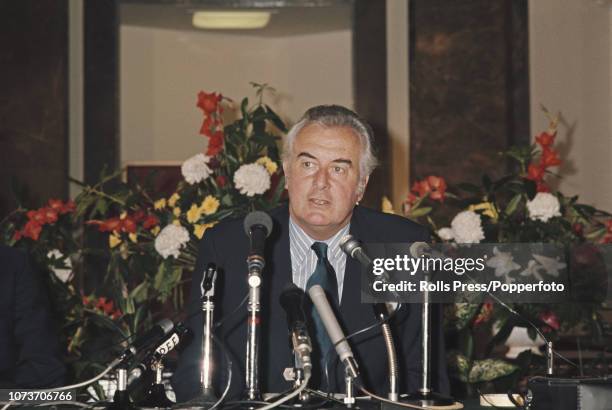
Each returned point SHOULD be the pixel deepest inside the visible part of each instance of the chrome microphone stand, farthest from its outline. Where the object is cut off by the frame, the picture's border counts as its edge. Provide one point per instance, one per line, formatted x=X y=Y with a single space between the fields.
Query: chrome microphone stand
x=207 y=397
x=255 y=264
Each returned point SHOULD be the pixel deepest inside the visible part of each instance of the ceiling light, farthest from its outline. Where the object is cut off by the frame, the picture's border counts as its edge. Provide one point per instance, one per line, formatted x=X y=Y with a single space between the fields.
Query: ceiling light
x=230 y=19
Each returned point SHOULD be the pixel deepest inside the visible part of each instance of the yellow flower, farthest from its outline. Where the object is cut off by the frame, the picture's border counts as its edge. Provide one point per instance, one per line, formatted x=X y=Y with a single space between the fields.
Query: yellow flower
x=113 y=240
x=176 y=211
x=176 y=222
x=155 y=230
x=123 y=215
x=210 y=204
x=133 y=237
x=387 y=206
x=487 y=208
x=198 y=230
x=160 y=204
x=194 y=214
x=173 y=199
x=270 y=165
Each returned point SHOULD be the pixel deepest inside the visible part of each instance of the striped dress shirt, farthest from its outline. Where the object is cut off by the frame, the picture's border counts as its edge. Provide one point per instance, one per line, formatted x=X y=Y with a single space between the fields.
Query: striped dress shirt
x=304 y=259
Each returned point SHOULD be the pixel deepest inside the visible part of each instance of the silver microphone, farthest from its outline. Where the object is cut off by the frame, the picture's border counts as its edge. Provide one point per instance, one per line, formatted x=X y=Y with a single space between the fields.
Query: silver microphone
x=336 y=335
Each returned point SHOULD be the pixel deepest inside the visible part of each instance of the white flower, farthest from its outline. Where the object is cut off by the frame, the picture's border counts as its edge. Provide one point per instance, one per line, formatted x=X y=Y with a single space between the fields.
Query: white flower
x=252 y=179
x=195 y=169
x=543 y=207
x=467 y=227
x=170 y=240
x=446 y=234
x=63 y=274
x=503 y=263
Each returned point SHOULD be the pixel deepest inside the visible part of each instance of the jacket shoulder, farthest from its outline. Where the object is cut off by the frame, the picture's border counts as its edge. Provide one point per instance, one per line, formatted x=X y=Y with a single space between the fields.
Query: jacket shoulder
x=390 y=227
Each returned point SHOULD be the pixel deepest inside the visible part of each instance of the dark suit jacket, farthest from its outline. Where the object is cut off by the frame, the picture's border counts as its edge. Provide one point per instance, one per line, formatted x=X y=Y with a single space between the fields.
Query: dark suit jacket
x=29 y=349
x=227 y=246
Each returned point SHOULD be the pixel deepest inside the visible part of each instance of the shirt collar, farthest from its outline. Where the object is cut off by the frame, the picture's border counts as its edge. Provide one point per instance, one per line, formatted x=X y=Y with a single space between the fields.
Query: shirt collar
x=301 y=241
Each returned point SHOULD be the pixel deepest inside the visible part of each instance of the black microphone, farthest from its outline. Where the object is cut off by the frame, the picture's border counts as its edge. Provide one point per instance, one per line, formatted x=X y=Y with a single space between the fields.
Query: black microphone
x=207 y=286
x=334 y=331
x=292 y=301
x=149 y=339
x=257 y=226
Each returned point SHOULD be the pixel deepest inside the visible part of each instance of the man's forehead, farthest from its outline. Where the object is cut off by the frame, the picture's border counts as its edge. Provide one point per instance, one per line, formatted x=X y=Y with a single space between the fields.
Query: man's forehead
x=322 y=134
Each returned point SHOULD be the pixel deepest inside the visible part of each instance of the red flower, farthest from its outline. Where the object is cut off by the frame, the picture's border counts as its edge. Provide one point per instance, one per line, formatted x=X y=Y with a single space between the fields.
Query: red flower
x=49 y=214
x=85 y=300
x=550 y=319
x=128 y=225
x=437 y=186
x=485 y=313
x=56 y=204
x=215 y=144
x=32 y=230
x=550 y=158
x=139 y=216
x=69 y=206
x=221 y=180
x=206 y=127
x=208 y=102
x=105 y=305
x=150 y=221
x=422 y=188
x=578 y=228
x=609 y=225
x=535 y=172
x=545 y=139
x=542 y=187
x=109 y=225
x=17 y=236
x=37 y=216
x=411 y=199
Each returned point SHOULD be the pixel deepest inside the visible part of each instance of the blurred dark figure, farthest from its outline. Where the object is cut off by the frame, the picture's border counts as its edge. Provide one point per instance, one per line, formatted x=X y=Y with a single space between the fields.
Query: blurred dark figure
x=29 y=349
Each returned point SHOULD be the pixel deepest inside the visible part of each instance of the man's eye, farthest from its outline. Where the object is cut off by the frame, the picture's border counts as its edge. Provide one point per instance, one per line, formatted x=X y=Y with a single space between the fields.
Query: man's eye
x=338 y=170
x=307 y=164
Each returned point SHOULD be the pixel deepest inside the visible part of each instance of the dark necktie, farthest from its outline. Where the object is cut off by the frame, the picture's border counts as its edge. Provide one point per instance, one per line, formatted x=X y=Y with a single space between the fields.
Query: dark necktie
x=324 y=276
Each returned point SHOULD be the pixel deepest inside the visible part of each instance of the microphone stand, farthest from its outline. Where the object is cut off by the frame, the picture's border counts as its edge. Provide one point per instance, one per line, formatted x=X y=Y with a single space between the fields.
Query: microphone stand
x=121 y=398
x=426 y=396
x=156 y=394
x=256 y=264
x=207 y=397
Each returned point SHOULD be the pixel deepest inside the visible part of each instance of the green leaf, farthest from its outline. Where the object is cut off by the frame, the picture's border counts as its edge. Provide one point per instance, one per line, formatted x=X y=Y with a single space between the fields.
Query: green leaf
x=490 y=369
x=420 y=211
x=276 y=120
x=513 y=204
x=461 y=364
x=463 y=314
x=140 y=292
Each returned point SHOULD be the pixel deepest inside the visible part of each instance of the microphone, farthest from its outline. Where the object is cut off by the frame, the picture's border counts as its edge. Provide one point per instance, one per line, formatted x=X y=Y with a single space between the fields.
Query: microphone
x=418 y=249
x=149 y=339
x=292 y=299
x=257 y=226
x=353 y=248
x=319 y=300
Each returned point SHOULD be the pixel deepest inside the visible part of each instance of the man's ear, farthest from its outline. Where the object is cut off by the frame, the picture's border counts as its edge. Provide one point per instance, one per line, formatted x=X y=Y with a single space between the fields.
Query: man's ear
x=286 y=172
x=362 y=187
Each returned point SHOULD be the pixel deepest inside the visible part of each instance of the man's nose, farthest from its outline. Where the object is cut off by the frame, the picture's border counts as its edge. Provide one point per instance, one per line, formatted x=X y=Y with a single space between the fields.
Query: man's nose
x=321 y=179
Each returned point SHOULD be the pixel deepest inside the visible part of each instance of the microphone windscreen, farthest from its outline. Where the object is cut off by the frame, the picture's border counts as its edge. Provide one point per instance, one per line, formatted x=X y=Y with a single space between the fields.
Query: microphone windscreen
x=257 y=218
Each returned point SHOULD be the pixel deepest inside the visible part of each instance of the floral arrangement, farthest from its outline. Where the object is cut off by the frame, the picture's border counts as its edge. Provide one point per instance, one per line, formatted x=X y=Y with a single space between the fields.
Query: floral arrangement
x=518 y=208
x=151 y=241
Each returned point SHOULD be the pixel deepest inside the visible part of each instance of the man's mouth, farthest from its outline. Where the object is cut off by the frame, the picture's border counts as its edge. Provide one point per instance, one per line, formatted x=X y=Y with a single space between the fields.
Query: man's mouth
x=319 y=202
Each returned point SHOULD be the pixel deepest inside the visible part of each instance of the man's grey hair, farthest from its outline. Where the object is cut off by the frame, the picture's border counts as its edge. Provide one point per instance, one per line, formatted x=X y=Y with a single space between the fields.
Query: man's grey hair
x=336 y=116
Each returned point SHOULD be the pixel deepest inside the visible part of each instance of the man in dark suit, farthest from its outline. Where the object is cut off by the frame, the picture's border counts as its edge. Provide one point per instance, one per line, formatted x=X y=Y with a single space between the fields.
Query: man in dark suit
x=327 y=161
x=29 y=349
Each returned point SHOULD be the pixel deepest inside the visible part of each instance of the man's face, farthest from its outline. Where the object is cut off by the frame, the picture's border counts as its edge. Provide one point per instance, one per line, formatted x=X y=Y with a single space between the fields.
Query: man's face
x=322 y=177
